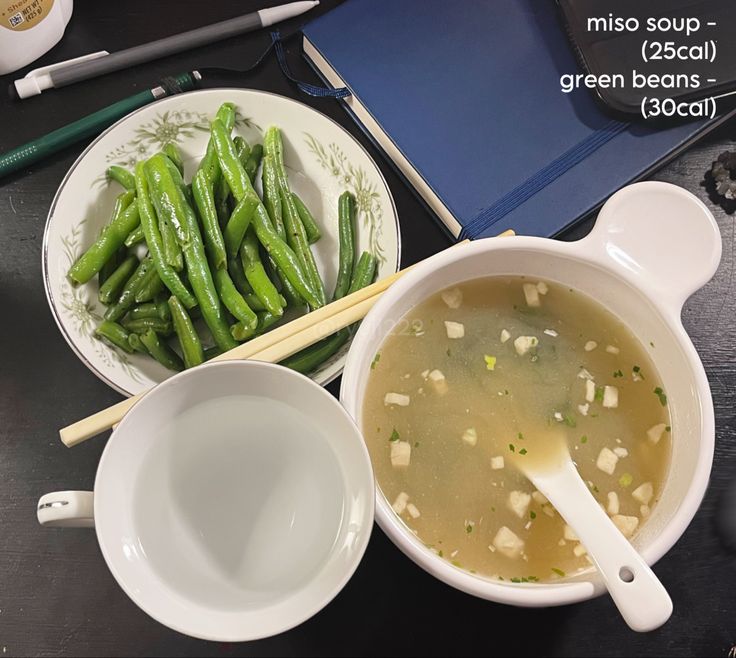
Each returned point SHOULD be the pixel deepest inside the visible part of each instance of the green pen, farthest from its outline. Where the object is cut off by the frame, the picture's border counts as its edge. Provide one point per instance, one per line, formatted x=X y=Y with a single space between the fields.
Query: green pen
x=92 y=124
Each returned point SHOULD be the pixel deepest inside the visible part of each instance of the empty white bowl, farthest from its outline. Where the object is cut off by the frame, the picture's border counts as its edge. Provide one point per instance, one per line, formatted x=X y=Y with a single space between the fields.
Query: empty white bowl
x=233 y=501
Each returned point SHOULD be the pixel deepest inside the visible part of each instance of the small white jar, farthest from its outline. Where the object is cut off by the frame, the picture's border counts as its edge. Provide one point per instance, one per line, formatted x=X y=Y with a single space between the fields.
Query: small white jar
x=29 y=28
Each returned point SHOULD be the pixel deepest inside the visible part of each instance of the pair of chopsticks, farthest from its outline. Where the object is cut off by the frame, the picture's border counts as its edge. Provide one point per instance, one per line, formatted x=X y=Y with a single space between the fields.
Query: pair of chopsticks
x=273 y=346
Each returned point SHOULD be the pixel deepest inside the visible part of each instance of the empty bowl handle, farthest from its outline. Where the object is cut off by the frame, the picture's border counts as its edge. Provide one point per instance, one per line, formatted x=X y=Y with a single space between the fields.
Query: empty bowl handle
x=662 y=236
x=67 y=509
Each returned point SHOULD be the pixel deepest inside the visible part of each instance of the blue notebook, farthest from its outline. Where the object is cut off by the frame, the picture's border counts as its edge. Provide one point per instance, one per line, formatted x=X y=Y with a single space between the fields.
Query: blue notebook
x=464 y=98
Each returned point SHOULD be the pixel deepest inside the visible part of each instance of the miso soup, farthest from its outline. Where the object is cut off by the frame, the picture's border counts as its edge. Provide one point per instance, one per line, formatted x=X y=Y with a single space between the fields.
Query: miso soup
x=457 y=389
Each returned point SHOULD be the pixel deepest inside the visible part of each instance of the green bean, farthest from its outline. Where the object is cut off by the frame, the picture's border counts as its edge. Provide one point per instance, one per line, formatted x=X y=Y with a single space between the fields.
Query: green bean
x=110 y=290
x=114 y=334
x=135 y=343
x=238 y=224
x=256 y=304
x=209 y=163
x=266 y=320
x=172 y=152
x=127 y=296
x=253 y=162
x=197 y=267
x=122 y=176
x=242 y=149
x=191 y=346
x=153 y=239
x=346 y=216
x=141 y=325
x=161 y=351
x=158 y=175
x=111 y=265
x=235 y=270
x=271 y=198
x=296 y=236
x=150 y=287
x=222 y=197
x=365 y=272
x=212 y=352
x=310 y=223
x=241 y=187
x=111 y=238
x=313 y=356
x=213 y=240
x=150 y=310
x=164 y=312
x=233 y=300
x=256 y=275
x=135 y=236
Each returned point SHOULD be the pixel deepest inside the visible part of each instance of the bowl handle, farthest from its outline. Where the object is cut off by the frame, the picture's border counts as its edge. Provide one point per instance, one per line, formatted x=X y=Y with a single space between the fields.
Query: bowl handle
x=660 y=236
x=66 y=509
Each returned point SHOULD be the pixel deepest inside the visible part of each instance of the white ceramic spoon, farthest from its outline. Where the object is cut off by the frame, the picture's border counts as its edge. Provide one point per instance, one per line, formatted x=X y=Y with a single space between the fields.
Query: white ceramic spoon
x=641 y=599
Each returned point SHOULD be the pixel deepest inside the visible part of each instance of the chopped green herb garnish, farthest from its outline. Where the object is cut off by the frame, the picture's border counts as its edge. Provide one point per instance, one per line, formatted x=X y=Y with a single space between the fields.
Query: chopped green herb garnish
x=532 y=515
x=569 y=420
x=505 y=391
x=501 y=578
x=651 y=342
x=521 y=436
x=448 y=352
x=668 y=429
x=584 y=438
x=532 y=579
x=637 y=370
x=490 y=361
x=416 y=444
x=468 y=528
x=522 y=451
x=394 y=436
x=598 y=394
x=493 y=509
x=618 y=373
x=375 y=361
x=511 y=447
x=595 y=489
x=455 y=563
x=661 y=395
x=441 y=554
x=625 y=480
x=516 y=580
x=559 y=572
x=593 y=415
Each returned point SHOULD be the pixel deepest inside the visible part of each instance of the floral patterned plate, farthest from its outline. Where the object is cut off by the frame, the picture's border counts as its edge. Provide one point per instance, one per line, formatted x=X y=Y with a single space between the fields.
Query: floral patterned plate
x=323 y=159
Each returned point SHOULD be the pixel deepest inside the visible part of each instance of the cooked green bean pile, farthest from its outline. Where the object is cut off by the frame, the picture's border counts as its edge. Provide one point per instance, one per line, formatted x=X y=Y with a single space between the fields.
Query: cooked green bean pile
x=174 y=252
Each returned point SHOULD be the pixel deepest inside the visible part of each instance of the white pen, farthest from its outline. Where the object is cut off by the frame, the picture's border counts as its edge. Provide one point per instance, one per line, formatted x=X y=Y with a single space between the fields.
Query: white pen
x=90 y=66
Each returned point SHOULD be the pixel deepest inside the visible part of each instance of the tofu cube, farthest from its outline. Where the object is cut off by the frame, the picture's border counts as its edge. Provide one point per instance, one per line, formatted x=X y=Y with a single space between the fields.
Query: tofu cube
x=569 y=534
x=508 y=543
x=654 y=433
x=497 y=463
x=400 y=454
x=643 y=493
x=531 y=294
x=438 y=381
x=589 y=390
x=610 y=397
x=398 y=399
x=470 y=436
x=613 y=506
x=413 y=511
x=626 y=524
x=644 y=511
x=590 y=346
x=539 y=498
x=620 y=452
x=518 y=503
x=454 y=329
x=400 y=503
x=505 y=335
x=452 y=297
x=611 y=349
x=579 y=550
x=542 y=287
x=607 y=460
x=583 y=409
x=525 y=343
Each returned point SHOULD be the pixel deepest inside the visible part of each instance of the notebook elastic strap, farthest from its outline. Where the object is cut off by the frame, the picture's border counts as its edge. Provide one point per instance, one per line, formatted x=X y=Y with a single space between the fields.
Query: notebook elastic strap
x=311 y=90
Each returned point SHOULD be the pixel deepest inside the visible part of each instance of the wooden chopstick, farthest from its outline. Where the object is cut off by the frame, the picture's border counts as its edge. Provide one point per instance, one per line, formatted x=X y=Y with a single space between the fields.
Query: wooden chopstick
x=273 y=346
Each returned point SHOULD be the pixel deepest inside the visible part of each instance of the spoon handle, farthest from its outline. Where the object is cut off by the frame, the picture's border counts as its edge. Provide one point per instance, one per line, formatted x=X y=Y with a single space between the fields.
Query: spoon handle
x=637 y=592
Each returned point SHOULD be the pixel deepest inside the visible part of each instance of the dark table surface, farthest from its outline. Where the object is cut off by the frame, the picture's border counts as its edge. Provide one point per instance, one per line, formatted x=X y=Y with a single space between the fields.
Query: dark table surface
x=56 y=594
